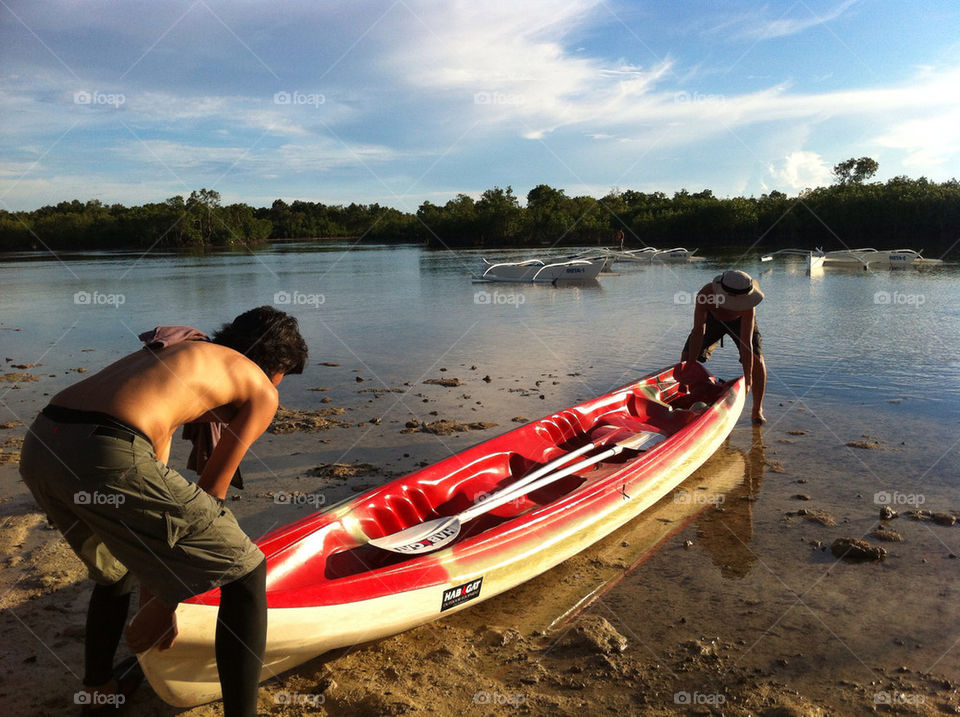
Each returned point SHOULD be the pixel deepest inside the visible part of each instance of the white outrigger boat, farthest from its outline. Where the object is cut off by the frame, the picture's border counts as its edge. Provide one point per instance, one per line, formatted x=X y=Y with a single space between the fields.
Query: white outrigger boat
x=650 y=254
x=814 y=258
x=859 y=258
x=539 y=271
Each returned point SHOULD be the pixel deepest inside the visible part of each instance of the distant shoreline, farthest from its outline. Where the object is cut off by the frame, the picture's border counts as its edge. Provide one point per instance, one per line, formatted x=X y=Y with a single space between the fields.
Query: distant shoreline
x=901 y=213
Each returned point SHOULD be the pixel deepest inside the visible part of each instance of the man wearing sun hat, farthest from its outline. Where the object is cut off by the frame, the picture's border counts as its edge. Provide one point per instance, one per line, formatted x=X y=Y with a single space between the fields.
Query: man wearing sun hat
x=727 y=306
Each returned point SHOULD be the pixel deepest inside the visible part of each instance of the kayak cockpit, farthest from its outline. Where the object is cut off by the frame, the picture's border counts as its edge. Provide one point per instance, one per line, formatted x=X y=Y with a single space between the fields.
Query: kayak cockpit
x=338 y=547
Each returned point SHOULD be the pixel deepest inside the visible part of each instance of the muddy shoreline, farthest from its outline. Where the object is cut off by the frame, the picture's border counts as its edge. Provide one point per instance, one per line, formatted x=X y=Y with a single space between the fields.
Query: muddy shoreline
x=722 y=599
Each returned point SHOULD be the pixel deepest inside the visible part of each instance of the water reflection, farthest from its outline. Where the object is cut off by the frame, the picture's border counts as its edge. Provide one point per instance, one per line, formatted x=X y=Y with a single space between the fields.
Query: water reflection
x=725 y=533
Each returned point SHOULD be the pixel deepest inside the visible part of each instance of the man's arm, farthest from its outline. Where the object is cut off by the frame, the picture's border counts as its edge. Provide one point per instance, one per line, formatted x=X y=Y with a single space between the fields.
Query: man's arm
x=746 y=346
x=252 y=418
x=698 y=331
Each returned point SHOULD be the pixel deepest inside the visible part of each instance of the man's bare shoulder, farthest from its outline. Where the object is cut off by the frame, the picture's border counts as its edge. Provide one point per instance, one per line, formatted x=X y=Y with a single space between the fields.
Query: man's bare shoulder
x=215 y=365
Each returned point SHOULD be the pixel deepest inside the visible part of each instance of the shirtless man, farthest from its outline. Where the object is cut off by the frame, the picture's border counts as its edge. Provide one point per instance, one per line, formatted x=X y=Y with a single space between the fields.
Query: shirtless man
x=95 y=460
x=727 y=305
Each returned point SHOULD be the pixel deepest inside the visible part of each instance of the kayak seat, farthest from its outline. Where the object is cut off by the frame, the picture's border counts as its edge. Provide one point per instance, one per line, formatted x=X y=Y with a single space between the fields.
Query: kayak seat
x=631 y=423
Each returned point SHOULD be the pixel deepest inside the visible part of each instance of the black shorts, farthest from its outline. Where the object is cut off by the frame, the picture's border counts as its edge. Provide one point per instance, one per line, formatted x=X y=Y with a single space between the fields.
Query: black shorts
x=715 y=331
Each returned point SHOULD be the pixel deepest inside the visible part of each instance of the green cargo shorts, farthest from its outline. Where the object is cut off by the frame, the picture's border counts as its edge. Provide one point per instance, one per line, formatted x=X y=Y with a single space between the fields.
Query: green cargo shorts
x=120 y=508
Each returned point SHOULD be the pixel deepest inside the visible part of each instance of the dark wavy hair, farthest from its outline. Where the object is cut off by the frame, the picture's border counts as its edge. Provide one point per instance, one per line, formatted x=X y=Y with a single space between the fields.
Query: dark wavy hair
x=268 y=337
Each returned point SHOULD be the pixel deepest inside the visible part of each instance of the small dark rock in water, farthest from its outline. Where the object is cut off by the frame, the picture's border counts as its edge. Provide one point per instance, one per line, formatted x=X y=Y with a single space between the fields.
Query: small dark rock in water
x=944 y=519
x=815 y=516
x=327 y=363
x=360 y=379
x=801 y=496
x=473 y=368
x=866 y=445
x=487 y=379
x=376 y=421
x=856 y=549
x=447 y=382
x=341 y=471
x=20 y=376
x=520 y=419
x=883 y=533
x=887 y=513
x=687 y=544
x=326 y=399
x=412 y=424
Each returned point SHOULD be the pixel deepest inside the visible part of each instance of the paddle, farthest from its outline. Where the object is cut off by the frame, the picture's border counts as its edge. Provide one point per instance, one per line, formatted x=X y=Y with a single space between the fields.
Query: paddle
x=437 y=533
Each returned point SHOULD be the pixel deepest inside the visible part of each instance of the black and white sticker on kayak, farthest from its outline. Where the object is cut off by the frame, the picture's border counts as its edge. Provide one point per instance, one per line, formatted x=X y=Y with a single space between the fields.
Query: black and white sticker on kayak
x=461 y=594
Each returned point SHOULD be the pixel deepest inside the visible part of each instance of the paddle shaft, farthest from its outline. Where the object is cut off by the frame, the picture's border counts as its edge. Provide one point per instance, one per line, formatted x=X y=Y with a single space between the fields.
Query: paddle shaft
x=510 y=494
x=542 y=470
x=434 y=534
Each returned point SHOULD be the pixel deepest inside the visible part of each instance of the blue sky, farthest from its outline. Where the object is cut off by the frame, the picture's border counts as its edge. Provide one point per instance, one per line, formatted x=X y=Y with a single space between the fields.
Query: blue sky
x=402 y=102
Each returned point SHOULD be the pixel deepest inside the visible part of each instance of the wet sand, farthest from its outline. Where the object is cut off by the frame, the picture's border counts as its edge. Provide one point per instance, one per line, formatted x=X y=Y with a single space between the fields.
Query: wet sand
x=723 y=598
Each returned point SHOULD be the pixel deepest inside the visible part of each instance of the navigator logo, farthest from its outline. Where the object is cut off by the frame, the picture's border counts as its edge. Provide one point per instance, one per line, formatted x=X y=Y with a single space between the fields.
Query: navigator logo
x=461 y=594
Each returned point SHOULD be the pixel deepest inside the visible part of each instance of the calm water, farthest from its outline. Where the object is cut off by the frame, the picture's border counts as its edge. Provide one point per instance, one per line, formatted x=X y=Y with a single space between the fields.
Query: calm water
x=840 y=338
x=850 y=354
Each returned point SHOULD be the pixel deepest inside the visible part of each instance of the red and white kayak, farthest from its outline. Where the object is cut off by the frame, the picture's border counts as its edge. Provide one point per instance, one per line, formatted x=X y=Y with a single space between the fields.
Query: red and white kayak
x=329 y=587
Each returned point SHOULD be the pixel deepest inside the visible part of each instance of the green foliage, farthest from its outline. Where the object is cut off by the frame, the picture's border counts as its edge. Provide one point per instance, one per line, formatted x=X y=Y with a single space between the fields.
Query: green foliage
x=902 y=212
x=854 y=171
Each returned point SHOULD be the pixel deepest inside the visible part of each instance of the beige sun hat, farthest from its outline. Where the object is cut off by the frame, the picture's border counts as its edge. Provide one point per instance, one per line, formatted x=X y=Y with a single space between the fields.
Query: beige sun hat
x=739 y=290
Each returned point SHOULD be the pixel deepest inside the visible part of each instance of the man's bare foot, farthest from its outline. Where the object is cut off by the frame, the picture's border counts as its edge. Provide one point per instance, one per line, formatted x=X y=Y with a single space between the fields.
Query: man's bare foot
x=759 y=418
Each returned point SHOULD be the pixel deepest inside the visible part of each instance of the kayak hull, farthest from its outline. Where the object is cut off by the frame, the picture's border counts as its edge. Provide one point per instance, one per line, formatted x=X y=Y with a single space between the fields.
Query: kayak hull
x=318 y=600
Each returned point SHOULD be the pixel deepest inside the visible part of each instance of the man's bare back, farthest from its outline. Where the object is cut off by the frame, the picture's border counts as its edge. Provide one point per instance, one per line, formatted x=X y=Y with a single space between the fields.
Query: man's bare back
x=159 y=391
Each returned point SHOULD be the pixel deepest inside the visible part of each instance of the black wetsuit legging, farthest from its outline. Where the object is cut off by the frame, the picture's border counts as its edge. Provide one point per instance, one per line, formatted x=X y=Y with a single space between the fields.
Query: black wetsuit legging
x=241 y=636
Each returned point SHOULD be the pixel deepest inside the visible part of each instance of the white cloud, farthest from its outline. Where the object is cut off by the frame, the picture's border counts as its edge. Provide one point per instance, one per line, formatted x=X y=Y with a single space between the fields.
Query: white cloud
x=929 y=142
x=758 y=25
x=800 y=170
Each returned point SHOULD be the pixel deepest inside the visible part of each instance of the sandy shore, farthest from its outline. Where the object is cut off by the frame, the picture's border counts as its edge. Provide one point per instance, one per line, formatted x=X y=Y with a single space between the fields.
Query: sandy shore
x=723 y=599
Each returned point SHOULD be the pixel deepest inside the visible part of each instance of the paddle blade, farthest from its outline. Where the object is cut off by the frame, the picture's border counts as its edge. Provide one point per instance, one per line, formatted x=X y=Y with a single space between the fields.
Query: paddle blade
x=423 y=538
